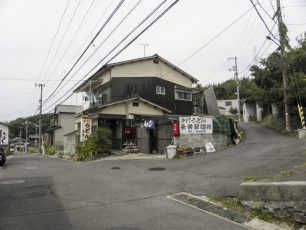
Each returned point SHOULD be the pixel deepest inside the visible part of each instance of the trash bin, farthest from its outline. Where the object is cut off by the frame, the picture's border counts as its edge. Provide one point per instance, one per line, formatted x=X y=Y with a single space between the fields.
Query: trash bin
x=171 y=151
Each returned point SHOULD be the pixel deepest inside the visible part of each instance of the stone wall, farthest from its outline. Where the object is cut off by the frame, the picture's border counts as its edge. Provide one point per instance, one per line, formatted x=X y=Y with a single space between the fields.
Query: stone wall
x=199 y=140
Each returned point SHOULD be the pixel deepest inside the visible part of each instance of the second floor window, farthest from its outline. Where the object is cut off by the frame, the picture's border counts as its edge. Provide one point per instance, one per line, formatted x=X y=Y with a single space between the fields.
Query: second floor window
x=160 y=90
x=183 y=95
x=228 y=103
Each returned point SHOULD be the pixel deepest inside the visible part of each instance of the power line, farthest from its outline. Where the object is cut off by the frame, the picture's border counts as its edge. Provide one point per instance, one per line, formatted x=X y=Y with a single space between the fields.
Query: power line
x=61 y=41
x=261 y=18
x=72 y=39
x=119 y=43
x=107 y=8
x=13 y=97
x=54 y=37
x=294 y=6
x=249 y=65
x=214 y=38
x=296 y=24
x=265 y=11
x=138 y=35
x=97 y=34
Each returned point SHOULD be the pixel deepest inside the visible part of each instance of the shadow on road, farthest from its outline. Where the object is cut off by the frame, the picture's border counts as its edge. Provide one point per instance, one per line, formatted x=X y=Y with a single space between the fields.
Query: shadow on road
x=31 y=203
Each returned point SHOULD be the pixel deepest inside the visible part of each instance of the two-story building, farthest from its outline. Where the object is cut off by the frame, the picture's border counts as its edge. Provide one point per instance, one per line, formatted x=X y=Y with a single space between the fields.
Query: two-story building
x=62 y=121
x=134 y=99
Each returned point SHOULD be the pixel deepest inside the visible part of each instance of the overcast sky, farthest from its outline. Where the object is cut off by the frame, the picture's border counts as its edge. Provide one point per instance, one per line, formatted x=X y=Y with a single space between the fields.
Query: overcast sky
x=28 y=28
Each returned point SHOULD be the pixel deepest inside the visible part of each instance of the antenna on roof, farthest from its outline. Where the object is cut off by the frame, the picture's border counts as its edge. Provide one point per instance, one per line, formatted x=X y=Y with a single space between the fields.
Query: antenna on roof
x=144 y=48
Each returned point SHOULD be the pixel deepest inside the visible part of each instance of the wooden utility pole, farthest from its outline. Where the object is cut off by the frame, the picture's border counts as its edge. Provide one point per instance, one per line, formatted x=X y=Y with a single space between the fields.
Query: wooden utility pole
x=40 y=115
x=26 y=137
x=282 y=40
x=235 y=68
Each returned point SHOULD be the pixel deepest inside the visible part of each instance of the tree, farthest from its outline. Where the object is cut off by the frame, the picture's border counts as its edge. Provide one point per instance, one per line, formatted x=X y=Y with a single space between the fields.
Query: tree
x=269 y=79
x=18 y=125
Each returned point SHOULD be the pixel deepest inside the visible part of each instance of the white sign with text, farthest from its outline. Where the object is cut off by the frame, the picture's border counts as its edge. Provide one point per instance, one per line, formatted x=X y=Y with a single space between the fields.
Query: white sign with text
x=196 y=125
x=86 y=126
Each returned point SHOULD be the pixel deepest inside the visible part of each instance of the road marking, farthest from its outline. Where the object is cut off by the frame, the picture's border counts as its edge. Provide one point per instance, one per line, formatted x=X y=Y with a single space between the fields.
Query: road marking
x=31 y=168
x=12 y=182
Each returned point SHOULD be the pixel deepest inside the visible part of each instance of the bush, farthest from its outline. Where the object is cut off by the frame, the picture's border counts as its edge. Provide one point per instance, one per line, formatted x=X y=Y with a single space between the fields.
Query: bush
x=98 y=142
x=32 y=149
x=233 y=111
x=50 y=150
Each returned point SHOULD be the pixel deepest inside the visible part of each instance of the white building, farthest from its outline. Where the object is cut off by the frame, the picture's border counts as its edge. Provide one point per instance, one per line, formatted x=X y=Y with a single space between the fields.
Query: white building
x=226 y=106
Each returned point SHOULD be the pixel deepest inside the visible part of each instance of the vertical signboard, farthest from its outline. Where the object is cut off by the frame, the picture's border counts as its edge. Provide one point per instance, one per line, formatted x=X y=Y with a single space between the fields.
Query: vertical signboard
x=196 y=125
x=4 y=135
x=86 y=126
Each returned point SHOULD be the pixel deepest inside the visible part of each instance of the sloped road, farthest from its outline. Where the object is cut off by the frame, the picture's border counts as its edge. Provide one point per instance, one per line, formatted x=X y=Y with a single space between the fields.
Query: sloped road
x=41 y=193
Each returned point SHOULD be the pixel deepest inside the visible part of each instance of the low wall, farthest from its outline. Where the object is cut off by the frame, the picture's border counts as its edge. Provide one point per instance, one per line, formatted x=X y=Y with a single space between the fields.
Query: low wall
x=199 y=140
x=273 y=191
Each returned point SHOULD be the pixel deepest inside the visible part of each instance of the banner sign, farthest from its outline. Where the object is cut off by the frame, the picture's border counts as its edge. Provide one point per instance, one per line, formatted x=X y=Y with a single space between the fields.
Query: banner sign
x=86 y=126
x=196 y=125
x=4 y=134
x=149 y=124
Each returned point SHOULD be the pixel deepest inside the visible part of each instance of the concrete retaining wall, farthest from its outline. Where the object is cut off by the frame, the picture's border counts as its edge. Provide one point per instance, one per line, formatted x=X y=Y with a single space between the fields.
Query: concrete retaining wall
x=199 y=140
x=273 y=191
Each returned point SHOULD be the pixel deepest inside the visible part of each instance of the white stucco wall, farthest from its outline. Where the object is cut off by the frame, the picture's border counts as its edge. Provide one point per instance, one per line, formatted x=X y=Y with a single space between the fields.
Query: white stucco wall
x=67 y=123
x=147 y=68
x=222 y=103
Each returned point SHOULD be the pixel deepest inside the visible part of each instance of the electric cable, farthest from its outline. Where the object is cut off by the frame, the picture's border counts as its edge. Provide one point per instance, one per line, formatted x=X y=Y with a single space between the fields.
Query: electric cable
x=138 y=35
x=97 y=34
x=90 y=35
x=53 y=40
x=72 y=39
x=119 y=43
x=62 y=39
x=261 y=18
x=249 y=65
x=212 y=39
x=265 y=11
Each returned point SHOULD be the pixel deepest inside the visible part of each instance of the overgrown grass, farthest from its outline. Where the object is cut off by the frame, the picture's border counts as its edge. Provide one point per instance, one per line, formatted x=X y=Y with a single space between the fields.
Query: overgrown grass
x=287 y=173
x=249 y=178
x=237 y=207
x=262 y=215
x=231 y=204
x=51 y=150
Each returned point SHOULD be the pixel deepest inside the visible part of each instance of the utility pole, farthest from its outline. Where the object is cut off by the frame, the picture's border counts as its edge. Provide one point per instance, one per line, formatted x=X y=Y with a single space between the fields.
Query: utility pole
x=144 y=48
x=283 y=64
x=26 y=131
x=40 y=115
x=235 y=68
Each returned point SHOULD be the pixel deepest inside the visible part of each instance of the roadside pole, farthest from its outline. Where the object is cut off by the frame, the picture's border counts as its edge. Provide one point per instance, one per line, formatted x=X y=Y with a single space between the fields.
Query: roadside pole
x=235 y=68
x=283 y=64
x=40 y=115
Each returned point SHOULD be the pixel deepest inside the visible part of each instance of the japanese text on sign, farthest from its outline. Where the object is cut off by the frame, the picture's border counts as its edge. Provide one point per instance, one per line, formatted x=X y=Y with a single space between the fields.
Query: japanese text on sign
x=85 y=128
x=195 y=124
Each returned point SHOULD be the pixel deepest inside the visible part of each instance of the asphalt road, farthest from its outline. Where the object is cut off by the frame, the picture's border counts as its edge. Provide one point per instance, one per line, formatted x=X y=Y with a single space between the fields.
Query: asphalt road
x=38 y=192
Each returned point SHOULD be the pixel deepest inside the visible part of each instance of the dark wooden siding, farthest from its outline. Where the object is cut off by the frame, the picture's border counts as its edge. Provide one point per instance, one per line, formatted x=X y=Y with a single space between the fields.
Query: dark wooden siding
x=145 y=87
